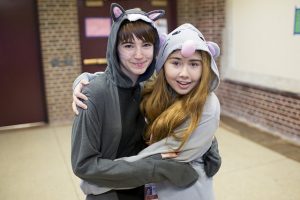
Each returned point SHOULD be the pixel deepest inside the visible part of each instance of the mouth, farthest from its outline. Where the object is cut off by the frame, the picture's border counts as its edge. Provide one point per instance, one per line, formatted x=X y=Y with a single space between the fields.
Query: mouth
x=184 y=84
x=140 y=64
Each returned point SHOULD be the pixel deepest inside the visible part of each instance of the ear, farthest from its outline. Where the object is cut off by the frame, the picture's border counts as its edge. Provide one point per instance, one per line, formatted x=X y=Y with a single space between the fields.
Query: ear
x=116 y=11
x=162 y=39
x=213 y=48
x=155 y=14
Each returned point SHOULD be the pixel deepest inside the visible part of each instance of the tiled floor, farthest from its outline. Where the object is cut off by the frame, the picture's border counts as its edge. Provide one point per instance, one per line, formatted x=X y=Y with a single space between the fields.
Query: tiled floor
x=35 y=165
x=263 y=138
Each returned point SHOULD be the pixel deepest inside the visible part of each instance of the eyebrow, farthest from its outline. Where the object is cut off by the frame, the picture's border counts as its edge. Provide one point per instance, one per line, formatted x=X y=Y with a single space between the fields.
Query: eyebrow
x=196 y=60
x=178 y=58
x=173 y=57
x=126 y=42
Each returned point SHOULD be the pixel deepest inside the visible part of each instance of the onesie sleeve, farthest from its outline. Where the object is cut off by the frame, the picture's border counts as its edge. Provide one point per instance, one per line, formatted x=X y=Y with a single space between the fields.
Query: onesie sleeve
x=85 y=76
x=88 y=162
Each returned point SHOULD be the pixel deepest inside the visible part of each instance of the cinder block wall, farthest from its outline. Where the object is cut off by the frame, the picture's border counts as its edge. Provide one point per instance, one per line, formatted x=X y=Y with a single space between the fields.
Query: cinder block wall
x=60 y=55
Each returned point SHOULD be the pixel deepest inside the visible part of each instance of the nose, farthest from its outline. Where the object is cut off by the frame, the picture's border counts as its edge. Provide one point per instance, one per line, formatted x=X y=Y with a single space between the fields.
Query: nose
x=138 y=53
x=184 y=71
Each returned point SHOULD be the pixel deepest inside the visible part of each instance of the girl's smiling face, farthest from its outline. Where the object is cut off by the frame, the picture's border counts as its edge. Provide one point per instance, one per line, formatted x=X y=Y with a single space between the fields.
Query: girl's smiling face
x=135 y=57
x=183 y=73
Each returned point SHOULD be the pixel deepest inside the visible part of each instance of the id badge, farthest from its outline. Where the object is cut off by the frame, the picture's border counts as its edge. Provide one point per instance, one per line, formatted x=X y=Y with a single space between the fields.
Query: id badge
x=150 y=192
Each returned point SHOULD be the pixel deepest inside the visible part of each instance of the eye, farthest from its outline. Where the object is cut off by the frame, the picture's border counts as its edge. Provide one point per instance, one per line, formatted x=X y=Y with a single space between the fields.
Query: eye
x=195 y=64
x=127 y=45
x=148 y=44
x=175 y=63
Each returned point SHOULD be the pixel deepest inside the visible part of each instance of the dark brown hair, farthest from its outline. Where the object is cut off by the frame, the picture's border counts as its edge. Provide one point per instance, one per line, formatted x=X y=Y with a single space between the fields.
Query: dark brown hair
x=141 y=29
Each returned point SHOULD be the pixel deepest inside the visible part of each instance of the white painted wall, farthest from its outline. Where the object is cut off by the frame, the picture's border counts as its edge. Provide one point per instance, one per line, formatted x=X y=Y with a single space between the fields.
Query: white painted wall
x=259 y=45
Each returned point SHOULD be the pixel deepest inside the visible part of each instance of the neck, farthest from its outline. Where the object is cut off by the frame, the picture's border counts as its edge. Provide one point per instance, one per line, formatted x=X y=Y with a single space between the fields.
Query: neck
x=132 y=77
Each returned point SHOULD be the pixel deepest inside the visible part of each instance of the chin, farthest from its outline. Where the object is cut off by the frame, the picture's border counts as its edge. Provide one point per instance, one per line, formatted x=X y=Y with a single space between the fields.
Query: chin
x=182 y=92
x=141 y=71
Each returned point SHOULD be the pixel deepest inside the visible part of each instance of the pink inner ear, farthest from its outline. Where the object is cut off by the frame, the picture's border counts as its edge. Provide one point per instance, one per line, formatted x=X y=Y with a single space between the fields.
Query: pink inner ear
x=153 y=16
x=213 y=48
x=117 y=12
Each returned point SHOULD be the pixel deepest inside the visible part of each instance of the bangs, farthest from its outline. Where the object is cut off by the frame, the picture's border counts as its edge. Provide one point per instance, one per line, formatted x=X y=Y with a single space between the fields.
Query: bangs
x=140 y=29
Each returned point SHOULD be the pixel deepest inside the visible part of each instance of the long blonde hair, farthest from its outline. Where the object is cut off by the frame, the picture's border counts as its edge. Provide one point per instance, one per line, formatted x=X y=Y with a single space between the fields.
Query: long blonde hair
x=165 y=111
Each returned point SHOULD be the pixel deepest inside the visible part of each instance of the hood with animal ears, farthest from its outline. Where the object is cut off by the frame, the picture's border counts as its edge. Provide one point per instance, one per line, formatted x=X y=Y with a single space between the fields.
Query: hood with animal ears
x=119 y=15
x=188 y=39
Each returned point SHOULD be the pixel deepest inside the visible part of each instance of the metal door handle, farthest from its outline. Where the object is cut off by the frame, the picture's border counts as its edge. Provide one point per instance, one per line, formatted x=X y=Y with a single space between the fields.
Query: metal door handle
x=95 y=61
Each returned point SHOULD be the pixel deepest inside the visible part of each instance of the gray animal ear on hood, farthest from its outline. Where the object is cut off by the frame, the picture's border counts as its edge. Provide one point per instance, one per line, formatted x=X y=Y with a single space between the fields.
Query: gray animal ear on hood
x=213 y=48
x=162 y=39
x=116 y=11
x=155 y=14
